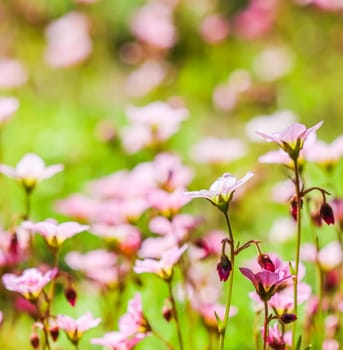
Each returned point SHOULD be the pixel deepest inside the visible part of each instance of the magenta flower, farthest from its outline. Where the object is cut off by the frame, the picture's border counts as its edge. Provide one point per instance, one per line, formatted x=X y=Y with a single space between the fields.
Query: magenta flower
x=222 y=190
x=163 y=267
x=30 y=283
x=266 y=282
x=30 y=170
x=292 y=139
x=277 y=340
x=75 y=328
x=55 y=234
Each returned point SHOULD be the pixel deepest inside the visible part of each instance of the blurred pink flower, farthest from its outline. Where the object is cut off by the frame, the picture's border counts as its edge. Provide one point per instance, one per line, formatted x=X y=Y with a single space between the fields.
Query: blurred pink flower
x=214 y=28
x=30 y=283
x=12 y=73
x=55 y=234
x=151 y=125
x=77 y=206
x=153 y=24
x=256 y=19
x=163 y=267
x=147 y=77
x=75 y=328
x=167 y=203
x=276 y=339
x=222 y=190
x=30 y=170
x=8 y=106
x=98 y=265
x=68 y=40
x=330 y=344
x=133 y=327
x=215 y=150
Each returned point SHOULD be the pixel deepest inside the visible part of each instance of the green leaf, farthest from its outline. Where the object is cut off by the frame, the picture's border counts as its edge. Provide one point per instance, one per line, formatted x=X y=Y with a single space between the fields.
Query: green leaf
x=297 y=347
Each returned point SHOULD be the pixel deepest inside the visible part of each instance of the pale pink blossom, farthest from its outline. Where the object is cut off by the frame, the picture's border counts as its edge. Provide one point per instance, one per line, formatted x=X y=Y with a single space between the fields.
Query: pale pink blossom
x=68 y=40
x=75 y=328
x=98 y=265
x=214 y=28
x=282 y=230
x=154 y=25
x=146 y=77
x=163 y=267
x=167 y=203
x=155 y=247
x=77 y=206
x=151 y=125
x=30 y=283
x=8 y=106
x=133 y=327
x=222 y=190
x=12 y=73
x=272 y=123
x=30 y=170
x=330 y=344
x=291 y=139
x=215 y=150
x=55 y=234
x=210 y=244
x=126 y=237
x=273 y=63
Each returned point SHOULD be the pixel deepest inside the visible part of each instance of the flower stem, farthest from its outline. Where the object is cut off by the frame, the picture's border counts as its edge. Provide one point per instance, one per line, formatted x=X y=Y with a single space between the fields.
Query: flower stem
x=298 y=243
x=164 y=341
x=176 y=317
x=223 y=327
x=265 y=326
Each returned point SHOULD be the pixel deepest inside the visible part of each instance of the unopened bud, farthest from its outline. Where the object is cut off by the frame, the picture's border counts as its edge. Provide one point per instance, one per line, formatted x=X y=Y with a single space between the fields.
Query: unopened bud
x=287 y=318
x=70 y=294
x=266 y=262
x=224 y=268
x=54 y=332
x=294 y=207
x=34 y=340
x=326 y=213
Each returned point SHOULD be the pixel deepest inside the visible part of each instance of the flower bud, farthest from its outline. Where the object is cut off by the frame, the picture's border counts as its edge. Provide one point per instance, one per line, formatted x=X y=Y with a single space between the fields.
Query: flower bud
x=287 y=318
x=294 y=207
x=70 y=294
x=224 y=268
x=266 y=262
x=167 y=310
x=34 y=340
x=326 y=213
x=54 y=332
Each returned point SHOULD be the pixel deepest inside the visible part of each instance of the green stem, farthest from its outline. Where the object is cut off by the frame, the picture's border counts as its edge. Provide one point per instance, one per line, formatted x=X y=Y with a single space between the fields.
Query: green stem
x=223 y=327
x=176 y=317
x=298 y=243
x=265 y=326
x=164 y=341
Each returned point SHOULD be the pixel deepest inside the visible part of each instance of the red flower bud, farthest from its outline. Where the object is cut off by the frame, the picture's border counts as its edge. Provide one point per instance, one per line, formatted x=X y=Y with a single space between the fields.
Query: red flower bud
x=70 y=294
x=266 y=262
x=224 y=268
x=326 y=213
x=54 y=332
x=294 y=207
x=34 y=340
x=167 y=310
x=13 y=246
x=287 y=318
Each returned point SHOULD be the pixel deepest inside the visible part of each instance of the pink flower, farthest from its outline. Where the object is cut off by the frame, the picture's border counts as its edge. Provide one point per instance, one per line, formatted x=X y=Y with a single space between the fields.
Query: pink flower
x=133 y=327
x=8 y=106
x=213 y=150
x=30 y=283
x=30 y=170
x=214 y=28
x=153 y=24
x=55 y=234
x=12 y=73
x=163 y=267
x=276 y=340
x=98 y=265
x=266 y=282
x=292 y=139
x=222 y=190
x=75 y=328
x=68 y=40
x=151 y=125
